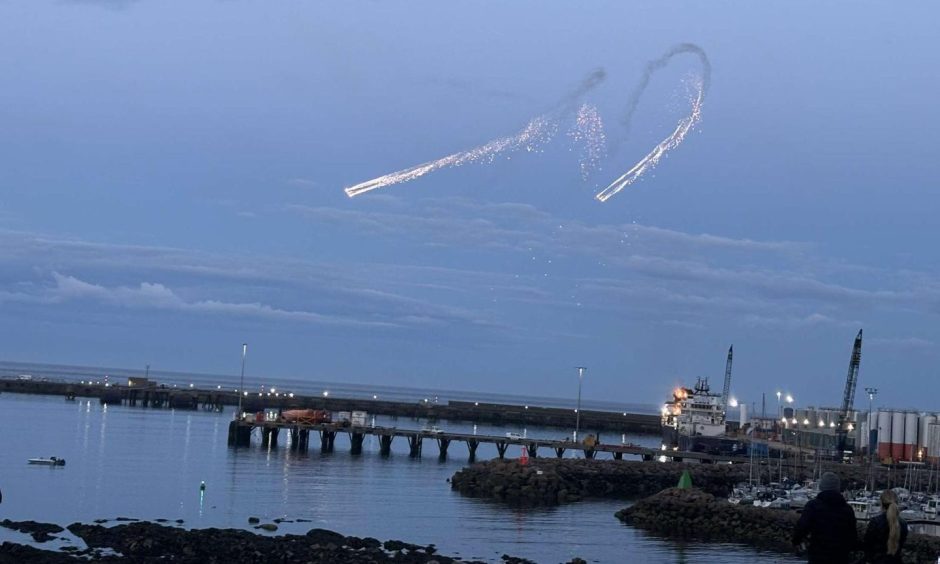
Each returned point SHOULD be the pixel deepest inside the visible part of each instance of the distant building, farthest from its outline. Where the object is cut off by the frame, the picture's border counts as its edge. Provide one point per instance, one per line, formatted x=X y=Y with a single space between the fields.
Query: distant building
x=139 y=382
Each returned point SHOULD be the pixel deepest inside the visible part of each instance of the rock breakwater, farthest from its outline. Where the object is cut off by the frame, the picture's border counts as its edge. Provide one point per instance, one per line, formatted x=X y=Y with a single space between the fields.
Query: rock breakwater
x=690 y=514
x=547 y=481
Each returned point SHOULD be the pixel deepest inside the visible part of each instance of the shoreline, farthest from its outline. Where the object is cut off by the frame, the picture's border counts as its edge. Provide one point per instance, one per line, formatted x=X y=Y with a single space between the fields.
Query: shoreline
x=130 y=541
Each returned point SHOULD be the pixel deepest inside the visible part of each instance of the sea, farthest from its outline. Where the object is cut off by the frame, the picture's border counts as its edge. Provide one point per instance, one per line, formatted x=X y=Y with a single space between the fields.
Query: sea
x=149 y=464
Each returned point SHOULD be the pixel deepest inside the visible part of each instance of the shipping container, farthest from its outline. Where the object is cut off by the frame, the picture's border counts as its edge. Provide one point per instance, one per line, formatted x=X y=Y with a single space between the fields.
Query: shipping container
x=359 y=418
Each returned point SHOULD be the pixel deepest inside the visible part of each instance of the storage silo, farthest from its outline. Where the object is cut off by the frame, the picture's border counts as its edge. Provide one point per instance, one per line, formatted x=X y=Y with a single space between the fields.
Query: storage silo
x=926 y=420
x=910 y=435
x=743 y=407
x=862 y=440
x=884 y=434
x=897 y=435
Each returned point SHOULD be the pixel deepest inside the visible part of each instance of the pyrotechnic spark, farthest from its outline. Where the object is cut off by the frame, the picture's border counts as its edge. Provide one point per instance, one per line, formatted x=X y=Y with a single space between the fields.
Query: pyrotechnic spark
x=588 y=131
x=536 y=133
x=653 y=157
x=682 y=129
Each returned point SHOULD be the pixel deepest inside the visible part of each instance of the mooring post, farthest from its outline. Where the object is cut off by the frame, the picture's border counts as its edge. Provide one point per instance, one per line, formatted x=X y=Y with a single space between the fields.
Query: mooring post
x=442 y=445
x=472 y=445
x=385 y=444
x=560 y=452
x=501 y=448
x=414 y=444
x=355 y=439
x=533 y=449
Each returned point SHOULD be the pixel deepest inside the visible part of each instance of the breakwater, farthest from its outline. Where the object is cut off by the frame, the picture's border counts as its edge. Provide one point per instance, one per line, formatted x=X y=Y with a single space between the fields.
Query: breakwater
x=144 y=542
x=214 y=398
x=554 y=481
x=691 y=514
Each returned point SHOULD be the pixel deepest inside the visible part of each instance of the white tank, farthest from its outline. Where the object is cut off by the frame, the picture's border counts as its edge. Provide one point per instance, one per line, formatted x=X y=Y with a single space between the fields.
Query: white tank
x=925 y=421
x=910 y=435
x=897 y=435
x=884 y=434
x=863 y=435
x=743 y=407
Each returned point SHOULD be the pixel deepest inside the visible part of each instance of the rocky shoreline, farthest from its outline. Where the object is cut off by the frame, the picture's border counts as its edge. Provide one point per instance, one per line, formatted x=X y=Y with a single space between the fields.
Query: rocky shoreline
x=691 y=514
x=146 y=542
x=550 y=481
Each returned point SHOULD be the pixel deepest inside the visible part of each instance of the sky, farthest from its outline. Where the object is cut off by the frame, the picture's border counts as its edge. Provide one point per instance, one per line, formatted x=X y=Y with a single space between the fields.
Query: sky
x=172 y=175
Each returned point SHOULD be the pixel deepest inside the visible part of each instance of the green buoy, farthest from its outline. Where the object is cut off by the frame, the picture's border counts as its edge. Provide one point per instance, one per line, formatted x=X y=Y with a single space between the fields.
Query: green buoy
x=685 y=481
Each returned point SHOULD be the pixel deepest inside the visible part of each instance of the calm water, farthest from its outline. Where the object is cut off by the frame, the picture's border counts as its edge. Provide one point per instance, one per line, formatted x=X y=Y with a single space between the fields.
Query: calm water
x=144 y=463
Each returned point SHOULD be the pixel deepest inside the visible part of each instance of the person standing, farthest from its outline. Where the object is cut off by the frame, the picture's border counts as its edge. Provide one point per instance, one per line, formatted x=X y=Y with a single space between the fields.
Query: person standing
x=829 y=524
x=886 y=533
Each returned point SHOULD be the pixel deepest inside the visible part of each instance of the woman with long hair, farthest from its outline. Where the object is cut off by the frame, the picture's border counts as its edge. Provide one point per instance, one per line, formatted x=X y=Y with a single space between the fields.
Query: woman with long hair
x=886 y=533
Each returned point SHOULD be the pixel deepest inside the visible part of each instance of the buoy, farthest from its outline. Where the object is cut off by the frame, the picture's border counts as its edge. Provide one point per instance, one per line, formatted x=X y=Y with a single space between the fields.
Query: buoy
x=524 y=459
x=202 y=486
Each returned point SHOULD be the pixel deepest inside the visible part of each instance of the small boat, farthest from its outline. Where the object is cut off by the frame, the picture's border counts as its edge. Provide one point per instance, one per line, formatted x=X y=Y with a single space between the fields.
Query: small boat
x=51 y=461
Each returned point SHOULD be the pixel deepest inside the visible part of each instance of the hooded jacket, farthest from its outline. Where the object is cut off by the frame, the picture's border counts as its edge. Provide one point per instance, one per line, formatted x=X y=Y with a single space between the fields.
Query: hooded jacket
x=829 y=523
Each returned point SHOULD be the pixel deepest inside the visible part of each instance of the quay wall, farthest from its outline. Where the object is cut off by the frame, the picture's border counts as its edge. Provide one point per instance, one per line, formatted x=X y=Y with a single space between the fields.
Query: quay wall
x=493 y=413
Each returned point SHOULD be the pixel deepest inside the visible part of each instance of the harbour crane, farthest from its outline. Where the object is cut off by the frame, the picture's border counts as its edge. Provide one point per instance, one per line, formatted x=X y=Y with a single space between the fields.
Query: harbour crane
x=727 y=389
x=848 y=398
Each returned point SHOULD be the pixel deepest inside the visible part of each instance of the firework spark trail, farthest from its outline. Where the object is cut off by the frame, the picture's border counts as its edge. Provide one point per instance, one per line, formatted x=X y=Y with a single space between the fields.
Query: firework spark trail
x=653 y=157
x=682 y=129
x=536 y=133
x=588 y=131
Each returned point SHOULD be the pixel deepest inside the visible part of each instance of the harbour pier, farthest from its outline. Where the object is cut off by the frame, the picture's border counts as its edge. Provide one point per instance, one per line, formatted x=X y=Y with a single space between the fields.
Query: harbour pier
x=217 y=399
x=240 y=433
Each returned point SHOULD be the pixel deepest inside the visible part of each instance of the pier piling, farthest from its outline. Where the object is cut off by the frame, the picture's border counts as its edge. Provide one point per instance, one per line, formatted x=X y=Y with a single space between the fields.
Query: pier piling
x=414 y=444
x=355 y=440
x=326 y=440
x=560 y=452
x=533 y=450
x=442 y=445
x=472 y=445
x=501 y=448
x=385 y=444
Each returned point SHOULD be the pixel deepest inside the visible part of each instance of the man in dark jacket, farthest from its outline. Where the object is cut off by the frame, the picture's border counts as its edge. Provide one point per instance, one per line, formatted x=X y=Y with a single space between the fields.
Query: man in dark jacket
x=829 y=523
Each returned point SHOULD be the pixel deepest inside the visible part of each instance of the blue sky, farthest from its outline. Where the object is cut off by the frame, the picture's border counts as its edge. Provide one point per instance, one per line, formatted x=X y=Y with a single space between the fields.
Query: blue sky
x=172 y=174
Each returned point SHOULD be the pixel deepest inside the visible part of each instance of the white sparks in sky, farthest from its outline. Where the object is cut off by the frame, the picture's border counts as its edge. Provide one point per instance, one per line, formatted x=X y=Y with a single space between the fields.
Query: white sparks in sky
x=588 y=131
x=653 y=157
x=536 y=133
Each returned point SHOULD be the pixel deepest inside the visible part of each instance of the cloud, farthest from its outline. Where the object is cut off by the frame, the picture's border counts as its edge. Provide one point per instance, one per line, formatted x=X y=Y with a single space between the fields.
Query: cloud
x=303 y=183
x=902 y=343
x=158 y=296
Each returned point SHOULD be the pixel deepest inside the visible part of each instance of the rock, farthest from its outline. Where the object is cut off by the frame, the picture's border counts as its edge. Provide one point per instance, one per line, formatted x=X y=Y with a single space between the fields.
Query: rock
x=254 y=520
x=267 y=527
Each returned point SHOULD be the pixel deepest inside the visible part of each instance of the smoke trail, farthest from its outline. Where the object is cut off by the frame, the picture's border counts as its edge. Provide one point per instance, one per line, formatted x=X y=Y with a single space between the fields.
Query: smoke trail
x=536 y=133
x=682 y=129
x=660 y=63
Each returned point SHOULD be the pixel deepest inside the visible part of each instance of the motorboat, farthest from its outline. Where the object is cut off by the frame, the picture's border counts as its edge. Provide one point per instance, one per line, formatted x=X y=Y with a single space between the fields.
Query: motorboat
x=51 y=461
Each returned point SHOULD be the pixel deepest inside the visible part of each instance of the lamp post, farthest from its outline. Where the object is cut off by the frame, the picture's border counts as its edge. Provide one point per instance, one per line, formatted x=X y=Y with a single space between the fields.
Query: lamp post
x=871 y=465
x=577 y=413
x=241 y=384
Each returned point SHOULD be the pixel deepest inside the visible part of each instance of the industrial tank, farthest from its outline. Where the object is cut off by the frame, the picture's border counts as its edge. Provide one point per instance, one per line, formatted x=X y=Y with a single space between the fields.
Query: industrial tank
x=910 y=435
x=884 y=434
x=744 y=420
x=897 y=435
x=925 y=421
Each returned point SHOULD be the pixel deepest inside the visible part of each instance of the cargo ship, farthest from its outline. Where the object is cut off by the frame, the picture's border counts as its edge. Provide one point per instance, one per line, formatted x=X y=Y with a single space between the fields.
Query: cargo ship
x=694 y=419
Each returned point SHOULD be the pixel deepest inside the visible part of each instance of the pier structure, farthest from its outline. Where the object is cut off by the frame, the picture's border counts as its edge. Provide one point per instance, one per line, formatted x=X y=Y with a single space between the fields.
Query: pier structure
x=217 y=399
x=240 y=433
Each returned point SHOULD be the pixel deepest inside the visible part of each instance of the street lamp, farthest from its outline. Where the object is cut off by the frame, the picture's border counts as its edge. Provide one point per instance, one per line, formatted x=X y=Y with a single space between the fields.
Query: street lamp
x=872 y=392
x=577 y=419
x=779 y=409
x=241 y=385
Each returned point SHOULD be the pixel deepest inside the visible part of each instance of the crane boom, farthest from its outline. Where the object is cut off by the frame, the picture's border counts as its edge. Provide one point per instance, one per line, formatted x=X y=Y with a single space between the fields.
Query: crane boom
x=727 y=388
x=848 y=398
